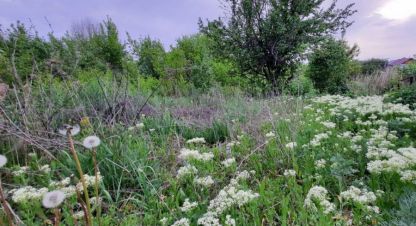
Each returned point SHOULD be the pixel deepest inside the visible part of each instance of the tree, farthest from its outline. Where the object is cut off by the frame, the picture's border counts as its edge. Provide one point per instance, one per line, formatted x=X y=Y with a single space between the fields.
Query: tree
x=268 y=38
x=330 y=66
x=372 y=65
x=151 y=56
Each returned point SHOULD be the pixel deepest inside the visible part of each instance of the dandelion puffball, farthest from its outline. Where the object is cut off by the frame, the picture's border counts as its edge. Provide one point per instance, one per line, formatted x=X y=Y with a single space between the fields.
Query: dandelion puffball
x=3 y=160
x=75 y=129
x=91 y=142
x=53 y=199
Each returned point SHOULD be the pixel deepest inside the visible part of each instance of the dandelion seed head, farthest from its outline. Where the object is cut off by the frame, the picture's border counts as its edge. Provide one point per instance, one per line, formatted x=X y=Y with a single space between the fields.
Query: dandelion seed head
x=91 y=142
x=3 y=160
x=53 y=199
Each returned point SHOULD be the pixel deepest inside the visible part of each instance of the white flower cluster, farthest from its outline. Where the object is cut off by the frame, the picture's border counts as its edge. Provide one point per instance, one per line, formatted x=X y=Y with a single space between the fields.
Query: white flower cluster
x=89 y=181
x=209 y=219
x=196 y=140
x=27 y=194
x=229 y=221
x=320 y=164
x=188 y=154
x=186 y=170
x=188 y=206
x=291 y=145
x=60 y=184
x=231 y=195
x=233 y=143
x=357 y=195
x=363 y=197
x=182 y=222
x=316 y=141
x=329 y=125
x=228 y=162
x=270 y=134
x=45 y=169
x=289 y=173
x=20 y=171
x=319 y=195
x=204 y=181
x=401 y=161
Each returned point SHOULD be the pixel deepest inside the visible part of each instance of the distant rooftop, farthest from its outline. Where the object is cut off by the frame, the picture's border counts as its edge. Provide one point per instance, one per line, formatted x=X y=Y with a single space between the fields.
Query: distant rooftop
x=399 y=62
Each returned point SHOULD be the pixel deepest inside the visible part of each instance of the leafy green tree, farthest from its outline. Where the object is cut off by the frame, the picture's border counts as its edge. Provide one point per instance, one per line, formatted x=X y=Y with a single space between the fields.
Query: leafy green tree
x=268 y=38
x=330 y=66
x=151 y=56
x=372 y=65
x=22 y=53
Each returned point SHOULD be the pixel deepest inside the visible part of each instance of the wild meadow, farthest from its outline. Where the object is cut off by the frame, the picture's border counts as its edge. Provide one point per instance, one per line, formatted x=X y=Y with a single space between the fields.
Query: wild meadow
x=211 y=159
x=263 y=117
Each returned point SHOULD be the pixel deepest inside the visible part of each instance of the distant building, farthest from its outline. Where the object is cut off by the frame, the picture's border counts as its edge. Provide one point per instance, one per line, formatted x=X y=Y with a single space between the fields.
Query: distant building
x=401 y=62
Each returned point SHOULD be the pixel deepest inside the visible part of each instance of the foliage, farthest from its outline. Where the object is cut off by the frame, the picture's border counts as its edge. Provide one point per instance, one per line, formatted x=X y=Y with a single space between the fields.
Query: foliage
x=301 y=86
x=151 y=56
x=373 y=65
x=408 y=70
x=405 y=95
x=269 y=38
x=329 y=66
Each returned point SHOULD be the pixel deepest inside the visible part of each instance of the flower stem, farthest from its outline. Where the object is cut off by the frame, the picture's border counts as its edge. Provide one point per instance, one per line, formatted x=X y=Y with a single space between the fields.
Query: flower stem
x=81 y=175
x=57 y=217
x=6 y=206
x=96 y=171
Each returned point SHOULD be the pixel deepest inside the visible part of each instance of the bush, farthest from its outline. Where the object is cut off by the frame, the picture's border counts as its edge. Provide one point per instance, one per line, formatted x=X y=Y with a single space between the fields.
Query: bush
x=301 y=85
x=406 y=95
x=373 y=65
x=408 y=70
x=329 y=67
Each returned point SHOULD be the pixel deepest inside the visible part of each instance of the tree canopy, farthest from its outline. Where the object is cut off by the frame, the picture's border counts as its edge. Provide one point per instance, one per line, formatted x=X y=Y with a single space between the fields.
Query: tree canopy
x=268 y=38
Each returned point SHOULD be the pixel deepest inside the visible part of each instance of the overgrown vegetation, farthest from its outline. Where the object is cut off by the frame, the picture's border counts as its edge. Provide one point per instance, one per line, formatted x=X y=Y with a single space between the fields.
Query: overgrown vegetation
x=229 y=126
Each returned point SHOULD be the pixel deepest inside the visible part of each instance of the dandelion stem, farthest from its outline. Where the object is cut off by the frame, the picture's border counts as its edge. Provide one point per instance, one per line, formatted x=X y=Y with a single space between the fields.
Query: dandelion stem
x=96 y=171
x=81 y=175
x=6 y=206
x=57 y=217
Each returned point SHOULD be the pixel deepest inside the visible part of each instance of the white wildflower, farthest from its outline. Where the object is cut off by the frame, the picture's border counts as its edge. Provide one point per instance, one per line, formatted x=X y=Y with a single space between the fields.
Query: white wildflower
x=186 y=170
x=319 y=194
x=270 y=134
x=319 y=164
x=182 y=222
x=75 y=129
x=228 y=162
x=289 y=173
x=204 y=181
x=53 y=199
x=3 y=160
x=291 y=145
x=91 y=142
x=229 y=221
x=196 y=140
x=188 y=206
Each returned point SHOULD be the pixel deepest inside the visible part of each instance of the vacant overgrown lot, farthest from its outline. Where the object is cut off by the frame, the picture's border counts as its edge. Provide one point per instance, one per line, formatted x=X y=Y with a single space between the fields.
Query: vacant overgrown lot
x=213 y=159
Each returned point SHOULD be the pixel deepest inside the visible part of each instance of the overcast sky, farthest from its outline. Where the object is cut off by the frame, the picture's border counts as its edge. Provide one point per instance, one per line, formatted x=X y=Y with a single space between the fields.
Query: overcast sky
x=383 y=28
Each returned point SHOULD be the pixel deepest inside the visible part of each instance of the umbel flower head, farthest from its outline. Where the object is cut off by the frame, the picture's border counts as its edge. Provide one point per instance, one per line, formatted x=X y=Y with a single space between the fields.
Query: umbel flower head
x=75 y=129
x=3 y=160
x=53 y=199
x=91 y=142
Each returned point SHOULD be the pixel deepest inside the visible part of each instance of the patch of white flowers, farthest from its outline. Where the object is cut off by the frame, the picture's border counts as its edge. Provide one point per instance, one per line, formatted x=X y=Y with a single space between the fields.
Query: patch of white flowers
x=188 y=154
x=27 y=194
x=289 y=173
x=182 y=222
x=319 y=195
x=196 y=140
x=228 y=162
x=204 y=181
x=186 y=171
x=188 y=206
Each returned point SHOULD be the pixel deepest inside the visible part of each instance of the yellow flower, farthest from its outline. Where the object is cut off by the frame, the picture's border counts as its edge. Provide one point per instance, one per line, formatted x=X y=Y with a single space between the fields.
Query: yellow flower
x=85 y=122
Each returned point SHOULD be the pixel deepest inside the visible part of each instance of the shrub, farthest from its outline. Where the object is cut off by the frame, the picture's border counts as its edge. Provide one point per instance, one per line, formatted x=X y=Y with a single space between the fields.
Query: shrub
x=329 y=67
x=373 y=65
x=301 y=86
x=406 y=95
